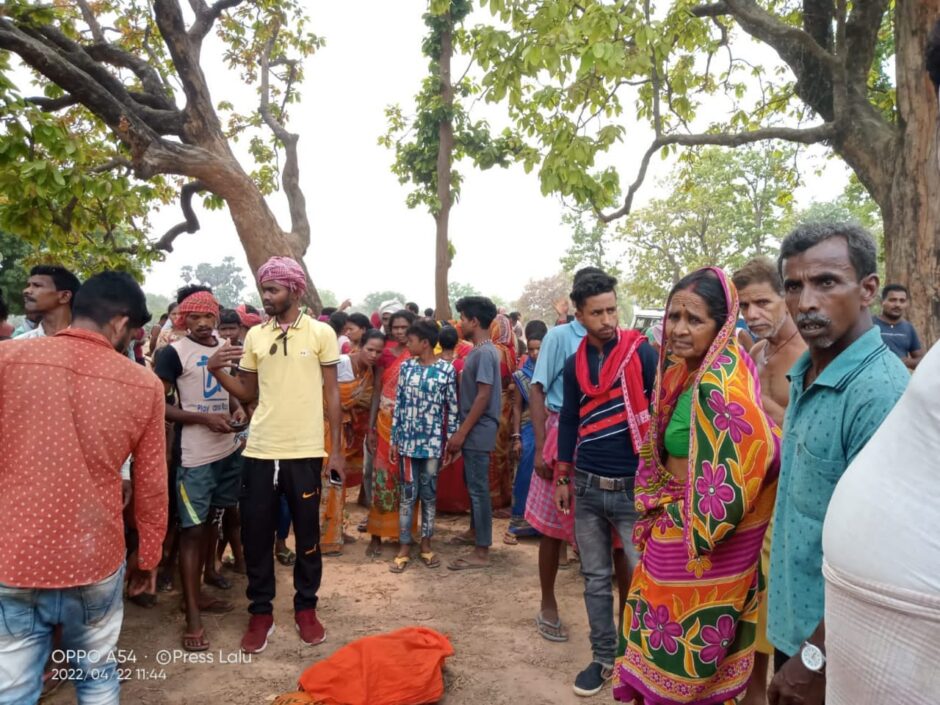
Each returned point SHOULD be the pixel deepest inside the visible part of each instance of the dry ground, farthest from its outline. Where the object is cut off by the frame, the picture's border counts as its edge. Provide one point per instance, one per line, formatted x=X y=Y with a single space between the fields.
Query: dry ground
x=488 y=615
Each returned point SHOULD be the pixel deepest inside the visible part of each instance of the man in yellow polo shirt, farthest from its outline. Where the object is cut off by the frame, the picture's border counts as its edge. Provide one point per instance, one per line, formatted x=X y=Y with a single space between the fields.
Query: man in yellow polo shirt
x=289 y=365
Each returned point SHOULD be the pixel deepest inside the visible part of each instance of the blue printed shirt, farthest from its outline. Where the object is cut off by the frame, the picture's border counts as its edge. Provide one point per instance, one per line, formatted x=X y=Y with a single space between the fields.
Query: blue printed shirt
x=826 y=426
x=425 y=408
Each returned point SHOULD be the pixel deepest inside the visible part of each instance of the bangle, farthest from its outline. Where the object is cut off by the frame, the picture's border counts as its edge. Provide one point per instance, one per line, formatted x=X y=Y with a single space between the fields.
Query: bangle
x=562 y=481
x=516 y=435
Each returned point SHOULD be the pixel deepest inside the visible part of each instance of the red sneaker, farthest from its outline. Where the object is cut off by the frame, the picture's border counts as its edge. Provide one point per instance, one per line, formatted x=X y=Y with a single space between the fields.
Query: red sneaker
x=311 y=631
x=260 y=627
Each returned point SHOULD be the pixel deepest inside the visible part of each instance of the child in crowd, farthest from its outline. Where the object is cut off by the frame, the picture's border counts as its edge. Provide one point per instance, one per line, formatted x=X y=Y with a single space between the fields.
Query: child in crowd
x=425 y=417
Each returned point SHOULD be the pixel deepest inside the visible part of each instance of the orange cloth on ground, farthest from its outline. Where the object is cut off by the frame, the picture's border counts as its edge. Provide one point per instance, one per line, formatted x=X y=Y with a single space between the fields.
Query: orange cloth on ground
x=403 y=667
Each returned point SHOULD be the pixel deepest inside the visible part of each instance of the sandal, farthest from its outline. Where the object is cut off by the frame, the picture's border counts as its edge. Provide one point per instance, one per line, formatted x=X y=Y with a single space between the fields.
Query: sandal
x=399 y=563
x=363 y=526
x=218 y=581
x=164 y=583
x=286 y=557
x=430 y=559
x=196 y=641
x=510 y=539
x=553 y=631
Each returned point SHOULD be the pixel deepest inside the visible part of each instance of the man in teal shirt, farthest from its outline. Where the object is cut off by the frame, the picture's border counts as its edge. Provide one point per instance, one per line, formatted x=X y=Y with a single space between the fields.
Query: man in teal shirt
x=841 y=390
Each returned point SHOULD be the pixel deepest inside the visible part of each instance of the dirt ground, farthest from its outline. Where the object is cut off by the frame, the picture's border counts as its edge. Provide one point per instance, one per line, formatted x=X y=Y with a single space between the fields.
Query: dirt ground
x=488 y=615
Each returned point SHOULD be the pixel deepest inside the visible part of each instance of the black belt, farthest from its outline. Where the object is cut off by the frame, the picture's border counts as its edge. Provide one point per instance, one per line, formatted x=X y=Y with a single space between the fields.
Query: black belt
x=610 y=484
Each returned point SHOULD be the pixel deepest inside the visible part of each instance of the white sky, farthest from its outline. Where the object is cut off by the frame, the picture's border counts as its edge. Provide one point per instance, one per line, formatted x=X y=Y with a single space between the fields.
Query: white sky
x=364 y=238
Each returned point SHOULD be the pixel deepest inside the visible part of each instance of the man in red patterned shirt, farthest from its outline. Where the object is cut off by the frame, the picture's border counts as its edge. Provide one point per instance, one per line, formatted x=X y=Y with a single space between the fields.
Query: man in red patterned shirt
x=62 y=552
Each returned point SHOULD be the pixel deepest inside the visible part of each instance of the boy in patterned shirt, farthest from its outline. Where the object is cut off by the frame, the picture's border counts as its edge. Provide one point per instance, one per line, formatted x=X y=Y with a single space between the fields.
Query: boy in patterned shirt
x=425 y=417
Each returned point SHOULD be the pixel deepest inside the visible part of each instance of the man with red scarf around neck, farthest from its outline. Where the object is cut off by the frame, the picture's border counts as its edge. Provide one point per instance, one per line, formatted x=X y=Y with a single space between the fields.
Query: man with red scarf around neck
x=604 y=416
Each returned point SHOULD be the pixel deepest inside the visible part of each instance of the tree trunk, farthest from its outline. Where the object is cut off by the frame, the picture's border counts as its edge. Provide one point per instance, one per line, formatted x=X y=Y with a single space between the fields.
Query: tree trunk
x=912 y=211
x=257 y=228
x=444 y=152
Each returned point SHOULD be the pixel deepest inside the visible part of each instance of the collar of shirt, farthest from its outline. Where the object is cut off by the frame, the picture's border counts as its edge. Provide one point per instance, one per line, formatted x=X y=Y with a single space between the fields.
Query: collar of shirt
x=578 y=329
x=838 y=372
x=274 y=325
x=87 y=335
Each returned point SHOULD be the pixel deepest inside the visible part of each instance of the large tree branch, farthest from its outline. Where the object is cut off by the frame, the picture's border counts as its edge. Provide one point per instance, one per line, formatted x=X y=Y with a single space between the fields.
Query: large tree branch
x=201 y=121
x=163 y=120
x=57 y=67
x=53 y=105
x=206 y=16
x=290 y=176
x=149 y=78
x=863 y=136
x=89 y=16
x=861 y=35
x=810 y=135
x=765 y=26
x=191 y=222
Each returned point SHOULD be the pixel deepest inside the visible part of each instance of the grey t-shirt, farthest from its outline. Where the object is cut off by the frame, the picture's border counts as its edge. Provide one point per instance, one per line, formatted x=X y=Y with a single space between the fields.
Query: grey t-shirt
x=481 y=366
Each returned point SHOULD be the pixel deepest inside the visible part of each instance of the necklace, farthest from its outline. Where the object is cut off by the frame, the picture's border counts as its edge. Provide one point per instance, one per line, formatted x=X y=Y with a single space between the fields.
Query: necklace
x=779 y=347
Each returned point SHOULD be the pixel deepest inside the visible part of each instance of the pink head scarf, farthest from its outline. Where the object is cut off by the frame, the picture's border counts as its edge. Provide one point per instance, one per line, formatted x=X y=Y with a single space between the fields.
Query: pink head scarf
x=284 y=271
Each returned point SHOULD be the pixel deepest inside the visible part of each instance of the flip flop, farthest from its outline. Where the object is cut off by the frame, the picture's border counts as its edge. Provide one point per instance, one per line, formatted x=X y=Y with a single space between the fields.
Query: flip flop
x=464 y=564
x=461 y=540
x=363 y=526
x=195 y=641
x=286 y=557
x=164 y=583
x=399 y=563
x=430 y=559
x=218 y=581
x=510 y=539
x=553 y=631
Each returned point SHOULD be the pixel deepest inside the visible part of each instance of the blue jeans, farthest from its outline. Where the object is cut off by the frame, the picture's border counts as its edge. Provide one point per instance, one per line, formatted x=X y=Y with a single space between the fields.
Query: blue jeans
x=90 y=616
x=596 y=512
x=476 y=475
x=423 y=486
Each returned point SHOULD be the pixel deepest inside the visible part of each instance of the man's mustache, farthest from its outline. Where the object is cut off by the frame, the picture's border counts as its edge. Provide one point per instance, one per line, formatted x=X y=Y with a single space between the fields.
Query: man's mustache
x=812 y=319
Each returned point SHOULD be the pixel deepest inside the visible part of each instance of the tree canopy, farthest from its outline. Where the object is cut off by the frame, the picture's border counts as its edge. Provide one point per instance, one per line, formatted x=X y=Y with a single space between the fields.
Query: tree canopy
x=846 y=75
x=227 y=280
x=720 y=209
x=124 y=120
x=375 y=299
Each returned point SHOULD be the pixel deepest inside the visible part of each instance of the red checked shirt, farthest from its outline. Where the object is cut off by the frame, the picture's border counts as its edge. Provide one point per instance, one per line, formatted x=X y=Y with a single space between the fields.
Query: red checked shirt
x=71 y=410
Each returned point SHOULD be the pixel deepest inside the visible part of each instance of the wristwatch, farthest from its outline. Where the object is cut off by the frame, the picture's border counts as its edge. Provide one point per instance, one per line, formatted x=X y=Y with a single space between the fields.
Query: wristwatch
x=812 y=657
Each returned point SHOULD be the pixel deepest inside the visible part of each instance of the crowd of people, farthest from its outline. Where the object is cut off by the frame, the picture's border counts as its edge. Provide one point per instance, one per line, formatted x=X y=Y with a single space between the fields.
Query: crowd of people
x=715 y=469
x=755 y=473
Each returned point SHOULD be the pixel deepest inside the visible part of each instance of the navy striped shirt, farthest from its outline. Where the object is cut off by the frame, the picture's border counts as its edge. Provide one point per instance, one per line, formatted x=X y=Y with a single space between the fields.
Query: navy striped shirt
x=604 y=447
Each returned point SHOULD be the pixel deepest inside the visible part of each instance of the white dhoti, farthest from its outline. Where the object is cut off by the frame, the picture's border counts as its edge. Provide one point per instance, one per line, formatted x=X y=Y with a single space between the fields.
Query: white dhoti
x=882 y=643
